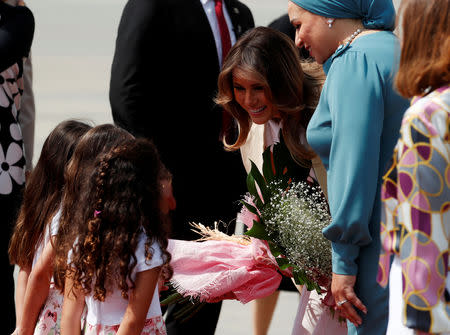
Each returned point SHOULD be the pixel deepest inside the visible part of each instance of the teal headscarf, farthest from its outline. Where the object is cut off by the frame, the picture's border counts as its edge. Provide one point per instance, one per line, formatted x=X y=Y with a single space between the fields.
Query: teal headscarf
x=375 y=14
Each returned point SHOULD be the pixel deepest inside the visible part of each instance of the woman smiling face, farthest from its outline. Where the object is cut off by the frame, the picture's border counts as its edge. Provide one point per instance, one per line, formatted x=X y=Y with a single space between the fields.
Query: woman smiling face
x=250 y=92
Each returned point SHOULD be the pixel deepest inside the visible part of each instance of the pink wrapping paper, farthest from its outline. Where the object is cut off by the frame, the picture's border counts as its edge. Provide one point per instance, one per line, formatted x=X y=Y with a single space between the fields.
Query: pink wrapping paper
x=216 y=270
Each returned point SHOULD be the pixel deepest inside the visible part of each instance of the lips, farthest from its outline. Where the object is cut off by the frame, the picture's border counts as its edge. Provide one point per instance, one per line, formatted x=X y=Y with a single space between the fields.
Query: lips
x=257 y=111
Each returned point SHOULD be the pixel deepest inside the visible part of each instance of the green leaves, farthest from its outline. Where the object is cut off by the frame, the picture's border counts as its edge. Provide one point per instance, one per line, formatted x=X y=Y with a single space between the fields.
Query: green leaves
x=258 y=231
x=268 y=167
x=284 y=263
x=301 y=278
x=188 y=306
x=251 y=208
x=257 y=186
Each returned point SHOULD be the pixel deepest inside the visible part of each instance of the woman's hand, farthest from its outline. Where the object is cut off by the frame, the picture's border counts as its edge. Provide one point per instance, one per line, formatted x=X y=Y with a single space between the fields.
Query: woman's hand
x=345 y=297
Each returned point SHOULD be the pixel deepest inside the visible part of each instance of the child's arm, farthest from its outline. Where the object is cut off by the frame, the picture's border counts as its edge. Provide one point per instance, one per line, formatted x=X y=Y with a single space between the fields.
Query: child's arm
x=36 y=291
x=139 y=302
x=72 y=310
x=22 y=281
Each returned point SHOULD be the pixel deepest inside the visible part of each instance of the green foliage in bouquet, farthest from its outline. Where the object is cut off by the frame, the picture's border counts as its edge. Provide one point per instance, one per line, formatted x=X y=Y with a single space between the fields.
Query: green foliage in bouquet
x=291 y=215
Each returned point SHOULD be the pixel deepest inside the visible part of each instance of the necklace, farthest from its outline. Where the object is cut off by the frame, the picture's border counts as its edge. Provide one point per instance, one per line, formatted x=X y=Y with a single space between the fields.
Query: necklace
x=352 y=36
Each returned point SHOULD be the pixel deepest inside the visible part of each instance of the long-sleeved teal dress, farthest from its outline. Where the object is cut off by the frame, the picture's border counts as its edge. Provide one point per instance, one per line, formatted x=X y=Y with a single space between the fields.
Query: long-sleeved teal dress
x=354 y=130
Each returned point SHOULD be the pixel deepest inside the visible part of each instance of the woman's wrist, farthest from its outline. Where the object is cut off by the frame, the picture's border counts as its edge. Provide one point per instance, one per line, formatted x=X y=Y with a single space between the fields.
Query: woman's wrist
x=344 y=258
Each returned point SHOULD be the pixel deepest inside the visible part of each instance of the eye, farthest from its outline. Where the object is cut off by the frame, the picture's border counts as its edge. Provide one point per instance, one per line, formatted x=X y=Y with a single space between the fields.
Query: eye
x=297 y=26
x=238 y=88
x=258 y=88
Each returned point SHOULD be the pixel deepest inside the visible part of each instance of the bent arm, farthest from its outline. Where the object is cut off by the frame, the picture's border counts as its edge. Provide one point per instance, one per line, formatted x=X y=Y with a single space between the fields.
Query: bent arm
x=139 y=302
x=357 y=113
x=22 y=282
x=37 y=290
x=72 y=310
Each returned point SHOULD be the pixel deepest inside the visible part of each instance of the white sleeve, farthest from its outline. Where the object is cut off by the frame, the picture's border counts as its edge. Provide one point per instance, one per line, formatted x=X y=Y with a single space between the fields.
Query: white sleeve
x=142 y=263
x=54 y=226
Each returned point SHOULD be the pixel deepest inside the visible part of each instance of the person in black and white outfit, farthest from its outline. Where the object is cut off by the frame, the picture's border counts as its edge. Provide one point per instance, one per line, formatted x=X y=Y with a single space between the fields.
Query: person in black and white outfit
x=16 y=35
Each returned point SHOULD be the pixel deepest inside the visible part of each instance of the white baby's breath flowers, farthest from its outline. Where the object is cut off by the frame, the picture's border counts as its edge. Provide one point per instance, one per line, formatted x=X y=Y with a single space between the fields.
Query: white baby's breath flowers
x=294 y=219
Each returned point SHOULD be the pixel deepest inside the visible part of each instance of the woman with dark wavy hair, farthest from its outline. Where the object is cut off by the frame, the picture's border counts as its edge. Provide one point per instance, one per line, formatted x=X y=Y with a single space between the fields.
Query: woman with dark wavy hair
x=272 y=94
x=120 y=246
x=264 y=82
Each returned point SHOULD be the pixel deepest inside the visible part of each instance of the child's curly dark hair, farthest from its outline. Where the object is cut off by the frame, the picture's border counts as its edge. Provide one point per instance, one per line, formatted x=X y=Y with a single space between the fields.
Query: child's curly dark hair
x=121 y=201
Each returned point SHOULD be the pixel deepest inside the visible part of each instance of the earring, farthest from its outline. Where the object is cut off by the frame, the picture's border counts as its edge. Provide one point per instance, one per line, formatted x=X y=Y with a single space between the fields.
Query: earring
x=330 y=22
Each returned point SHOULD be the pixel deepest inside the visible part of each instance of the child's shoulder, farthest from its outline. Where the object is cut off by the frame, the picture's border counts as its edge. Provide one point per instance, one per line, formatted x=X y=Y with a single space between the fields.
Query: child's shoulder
x=148 y=258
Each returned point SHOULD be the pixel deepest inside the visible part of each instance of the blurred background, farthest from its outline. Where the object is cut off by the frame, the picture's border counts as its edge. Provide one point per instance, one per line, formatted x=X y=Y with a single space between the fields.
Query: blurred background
x=72 y=53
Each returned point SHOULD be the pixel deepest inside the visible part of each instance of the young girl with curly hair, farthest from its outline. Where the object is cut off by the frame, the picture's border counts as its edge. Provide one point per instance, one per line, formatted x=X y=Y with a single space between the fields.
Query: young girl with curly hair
x=34 y=230
x=119 y=247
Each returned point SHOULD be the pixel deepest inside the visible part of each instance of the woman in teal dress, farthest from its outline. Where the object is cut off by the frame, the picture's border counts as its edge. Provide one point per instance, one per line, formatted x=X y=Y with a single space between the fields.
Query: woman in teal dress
x=354 y=130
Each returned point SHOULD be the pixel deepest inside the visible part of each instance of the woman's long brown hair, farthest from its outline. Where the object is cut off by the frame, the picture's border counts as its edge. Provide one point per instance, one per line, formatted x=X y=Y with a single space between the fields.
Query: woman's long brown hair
x=425 y=52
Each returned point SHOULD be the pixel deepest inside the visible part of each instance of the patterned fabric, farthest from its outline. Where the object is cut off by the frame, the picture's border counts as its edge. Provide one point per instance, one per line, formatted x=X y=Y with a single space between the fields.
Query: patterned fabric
x=153 y=326
x=49 y=321
x=12 y=161
x=415 y=223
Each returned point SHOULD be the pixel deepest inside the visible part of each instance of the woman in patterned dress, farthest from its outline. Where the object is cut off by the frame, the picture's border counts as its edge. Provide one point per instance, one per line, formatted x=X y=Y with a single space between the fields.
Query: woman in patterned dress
x=415 y=223
x=16 y=35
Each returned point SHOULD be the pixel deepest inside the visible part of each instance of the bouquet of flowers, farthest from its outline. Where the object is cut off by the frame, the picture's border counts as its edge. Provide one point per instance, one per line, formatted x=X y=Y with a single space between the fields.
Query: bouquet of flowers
x=285 y=217
x=290 y=216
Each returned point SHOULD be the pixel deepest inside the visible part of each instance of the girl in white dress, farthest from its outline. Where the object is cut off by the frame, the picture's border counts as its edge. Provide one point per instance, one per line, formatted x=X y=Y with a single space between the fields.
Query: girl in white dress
x=119 y=246
x=37 y=300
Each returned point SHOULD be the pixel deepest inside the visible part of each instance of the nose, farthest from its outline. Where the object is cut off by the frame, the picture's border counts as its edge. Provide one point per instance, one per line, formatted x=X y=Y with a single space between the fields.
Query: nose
x=250 y=98
x=298 y=40
x=172 y=203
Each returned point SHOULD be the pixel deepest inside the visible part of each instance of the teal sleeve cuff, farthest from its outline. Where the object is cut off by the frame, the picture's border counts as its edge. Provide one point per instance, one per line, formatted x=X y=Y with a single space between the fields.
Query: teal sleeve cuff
x=344 y=258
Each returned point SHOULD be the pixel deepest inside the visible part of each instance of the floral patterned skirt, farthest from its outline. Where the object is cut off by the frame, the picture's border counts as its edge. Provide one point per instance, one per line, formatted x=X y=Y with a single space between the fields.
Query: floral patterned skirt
x=153 y=326
x=49 y=321
x=50 y=317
